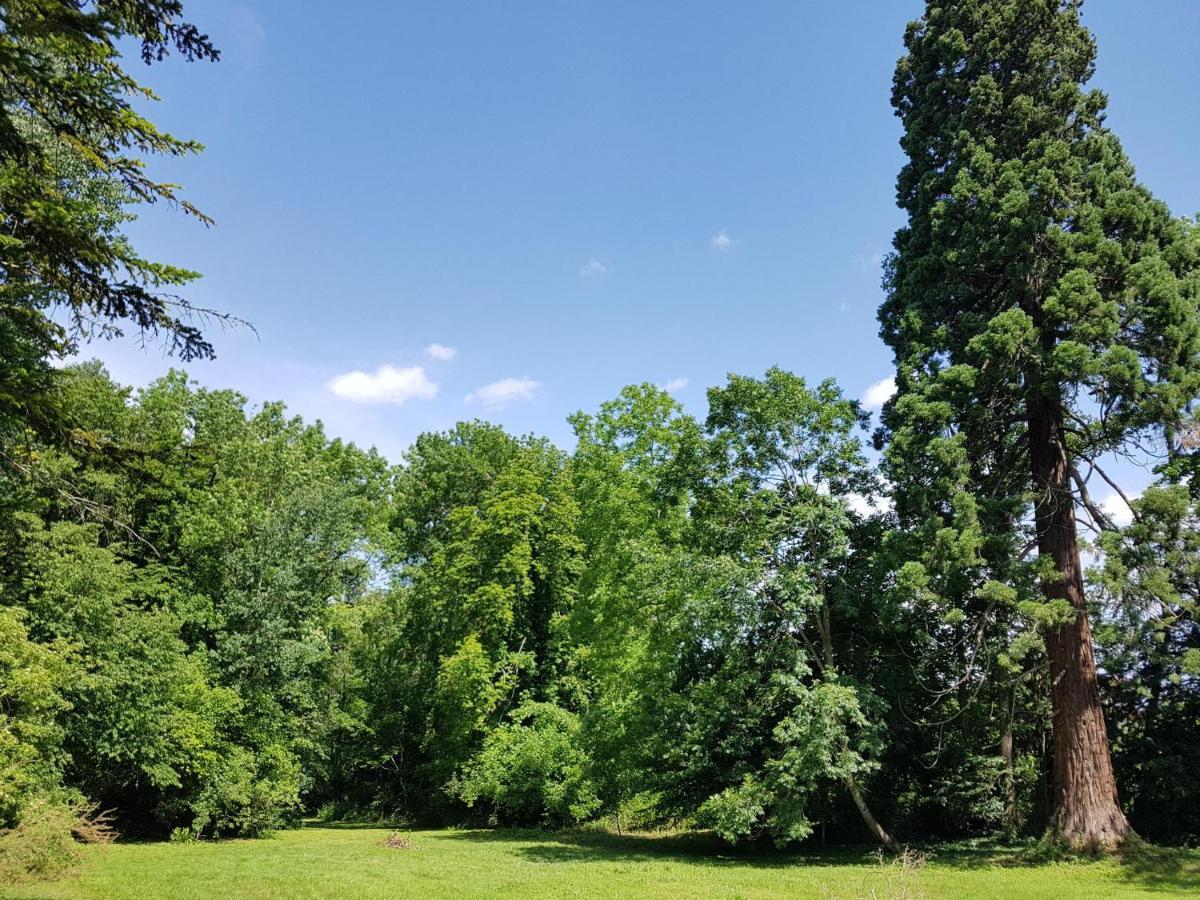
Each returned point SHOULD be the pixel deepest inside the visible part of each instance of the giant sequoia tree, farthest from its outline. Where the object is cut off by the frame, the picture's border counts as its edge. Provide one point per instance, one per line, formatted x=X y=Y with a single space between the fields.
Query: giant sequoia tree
x=1042 y=311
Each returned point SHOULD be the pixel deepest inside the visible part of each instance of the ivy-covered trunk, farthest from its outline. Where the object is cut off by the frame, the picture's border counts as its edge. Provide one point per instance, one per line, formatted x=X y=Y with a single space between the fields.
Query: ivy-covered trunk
x=1087 y=814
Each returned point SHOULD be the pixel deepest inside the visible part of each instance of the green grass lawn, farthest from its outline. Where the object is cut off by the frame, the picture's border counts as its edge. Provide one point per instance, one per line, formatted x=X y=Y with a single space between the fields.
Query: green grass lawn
x=352 y=862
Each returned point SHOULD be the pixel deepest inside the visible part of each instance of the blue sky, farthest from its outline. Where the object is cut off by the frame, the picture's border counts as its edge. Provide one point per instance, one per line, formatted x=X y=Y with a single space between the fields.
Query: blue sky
x=572 y=196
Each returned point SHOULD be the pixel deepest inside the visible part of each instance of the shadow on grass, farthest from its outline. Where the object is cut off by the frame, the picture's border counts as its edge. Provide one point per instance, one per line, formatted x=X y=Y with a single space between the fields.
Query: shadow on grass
x=700 y=848
x=1164 y=869
x=1144 y=866
x=318 y=825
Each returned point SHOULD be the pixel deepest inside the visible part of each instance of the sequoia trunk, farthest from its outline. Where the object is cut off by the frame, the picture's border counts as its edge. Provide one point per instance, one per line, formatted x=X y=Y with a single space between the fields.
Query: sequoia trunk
x=1087 y=814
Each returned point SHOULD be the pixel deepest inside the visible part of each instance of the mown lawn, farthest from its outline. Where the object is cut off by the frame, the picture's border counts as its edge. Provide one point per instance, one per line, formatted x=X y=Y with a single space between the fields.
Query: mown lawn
x=352 y=862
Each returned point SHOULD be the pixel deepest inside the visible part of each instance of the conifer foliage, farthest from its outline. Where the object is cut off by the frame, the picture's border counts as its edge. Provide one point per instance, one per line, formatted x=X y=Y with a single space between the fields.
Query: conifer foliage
x=1042 y=310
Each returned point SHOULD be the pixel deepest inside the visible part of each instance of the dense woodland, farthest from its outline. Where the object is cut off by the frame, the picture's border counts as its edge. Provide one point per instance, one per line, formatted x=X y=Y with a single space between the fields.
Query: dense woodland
x=782 y=620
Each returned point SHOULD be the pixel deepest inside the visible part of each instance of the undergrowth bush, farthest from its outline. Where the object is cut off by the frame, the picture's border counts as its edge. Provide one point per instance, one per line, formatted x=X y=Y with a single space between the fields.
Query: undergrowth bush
x=531 y=770
x=250 y=795
x=46 y=842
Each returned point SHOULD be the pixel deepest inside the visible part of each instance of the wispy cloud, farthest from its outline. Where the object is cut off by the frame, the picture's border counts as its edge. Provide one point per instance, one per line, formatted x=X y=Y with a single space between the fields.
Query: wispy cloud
x=441 y=352
x=387 y=384
x=504 y=392
x=594 y=268
x=721 y=241
x=248 y=36
x=675 y=384
x=871 y=261
x=879 y=393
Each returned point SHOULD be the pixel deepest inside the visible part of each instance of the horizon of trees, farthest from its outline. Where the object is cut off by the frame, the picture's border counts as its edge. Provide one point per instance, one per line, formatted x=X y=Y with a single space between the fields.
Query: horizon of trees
x=222 y=618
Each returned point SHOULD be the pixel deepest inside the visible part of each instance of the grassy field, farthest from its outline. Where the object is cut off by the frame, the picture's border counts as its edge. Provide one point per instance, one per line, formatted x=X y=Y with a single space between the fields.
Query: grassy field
x=353 y=862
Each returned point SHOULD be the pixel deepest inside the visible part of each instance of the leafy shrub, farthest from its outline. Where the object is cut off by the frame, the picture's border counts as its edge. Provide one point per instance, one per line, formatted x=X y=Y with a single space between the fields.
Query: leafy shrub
x=45 y=843
x=249 y=794
x=531 y=769
x=815 y=743
x=31 y=675
x=40 y=845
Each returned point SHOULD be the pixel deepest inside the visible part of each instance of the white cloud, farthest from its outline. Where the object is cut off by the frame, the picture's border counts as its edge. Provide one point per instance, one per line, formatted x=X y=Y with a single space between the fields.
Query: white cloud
x=594 y=268
x=879 y=393
x=441 y=352
x=721 y=241
x=675 y=384
x=500 y=394
x=1117 y=509
x=860 y=504
x=866 y=506
x=387 y=384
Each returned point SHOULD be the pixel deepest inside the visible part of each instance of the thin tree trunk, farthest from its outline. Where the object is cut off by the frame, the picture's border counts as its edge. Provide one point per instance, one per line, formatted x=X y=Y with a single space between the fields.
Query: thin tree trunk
x=1087 y=814
x=1007 y=751
x=830 y=671
x=877 y=831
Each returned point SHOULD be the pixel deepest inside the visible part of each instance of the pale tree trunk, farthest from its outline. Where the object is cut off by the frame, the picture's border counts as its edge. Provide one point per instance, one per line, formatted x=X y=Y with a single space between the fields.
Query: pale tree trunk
x=1087 y=814
x=881 y=834
x=877 y=831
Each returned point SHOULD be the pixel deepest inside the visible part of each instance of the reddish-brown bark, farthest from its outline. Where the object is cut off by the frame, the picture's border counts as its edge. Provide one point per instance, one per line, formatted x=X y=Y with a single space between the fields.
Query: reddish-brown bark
x=1087 y=813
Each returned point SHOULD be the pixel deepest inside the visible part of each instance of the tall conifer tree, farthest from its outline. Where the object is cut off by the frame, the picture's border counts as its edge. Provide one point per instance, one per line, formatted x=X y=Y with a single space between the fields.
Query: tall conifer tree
x=1042 y=307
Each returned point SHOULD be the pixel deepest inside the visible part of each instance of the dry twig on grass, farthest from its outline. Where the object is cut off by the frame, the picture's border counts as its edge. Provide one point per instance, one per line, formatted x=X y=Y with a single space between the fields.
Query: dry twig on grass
x=397 y=841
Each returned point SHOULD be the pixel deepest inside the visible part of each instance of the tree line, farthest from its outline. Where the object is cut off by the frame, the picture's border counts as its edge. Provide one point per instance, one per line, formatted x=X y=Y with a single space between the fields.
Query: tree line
x=771 y=621
x=217 y=618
